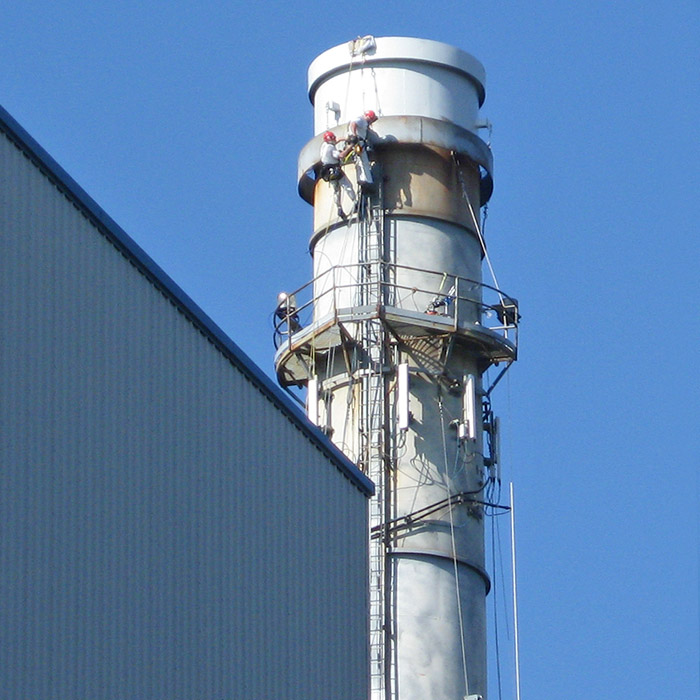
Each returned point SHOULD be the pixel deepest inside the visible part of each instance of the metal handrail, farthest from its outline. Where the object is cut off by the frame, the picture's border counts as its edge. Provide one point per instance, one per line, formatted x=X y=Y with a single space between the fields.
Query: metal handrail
x=454 y=289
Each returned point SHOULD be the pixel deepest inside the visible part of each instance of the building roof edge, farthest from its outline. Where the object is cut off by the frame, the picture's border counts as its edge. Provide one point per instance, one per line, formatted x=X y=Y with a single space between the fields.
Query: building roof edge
x=157 y=276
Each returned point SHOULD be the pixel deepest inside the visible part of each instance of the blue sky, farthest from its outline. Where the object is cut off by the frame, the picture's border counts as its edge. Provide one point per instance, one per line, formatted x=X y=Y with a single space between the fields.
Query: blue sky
x=184 y=121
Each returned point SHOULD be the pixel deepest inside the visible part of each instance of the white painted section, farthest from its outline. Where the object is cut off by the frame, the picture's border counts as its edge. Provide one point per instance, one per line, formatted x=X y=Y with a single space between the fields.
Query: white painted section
x=403 y=76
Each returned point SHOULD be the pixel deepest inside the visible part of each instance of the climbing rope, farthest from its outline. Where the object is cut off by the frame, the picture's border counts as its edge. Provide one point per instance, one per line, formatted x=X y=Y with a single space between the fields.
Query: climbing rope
x=377 y=105
x=360 y=47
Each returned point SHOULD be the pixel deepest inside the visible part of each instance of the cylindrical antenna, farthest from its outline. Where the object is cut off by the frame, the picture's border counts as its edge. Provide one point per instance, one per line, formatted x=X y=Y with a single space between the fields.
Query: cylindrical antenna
x=515 y=594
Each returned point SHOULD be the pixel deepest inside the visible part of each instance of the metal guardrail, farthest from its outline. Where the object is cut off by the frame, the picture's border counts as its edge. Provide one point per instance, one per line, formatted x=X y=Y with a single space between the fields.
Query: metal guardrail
x=340 y=288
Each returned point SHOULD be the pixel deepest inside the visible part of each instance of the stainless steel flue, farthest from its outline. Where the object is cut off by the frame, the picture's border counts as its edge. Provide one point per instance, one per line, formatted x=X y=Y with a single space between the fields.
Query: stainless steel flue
x=392 y=338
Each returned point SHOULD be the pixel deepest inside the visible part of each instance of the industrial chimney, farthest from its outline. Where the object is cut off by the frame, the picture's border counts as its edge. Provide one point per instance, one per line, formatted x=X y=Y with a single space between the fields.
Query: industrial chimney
x=392 y=339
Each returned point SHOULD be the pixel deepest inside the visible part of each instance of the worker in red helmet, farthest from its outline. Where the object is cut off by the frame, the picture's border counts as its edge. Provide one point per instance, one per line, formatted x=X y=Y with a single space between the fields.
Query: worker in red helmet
x=358 y=126
x=360 y=136
x=332 y=160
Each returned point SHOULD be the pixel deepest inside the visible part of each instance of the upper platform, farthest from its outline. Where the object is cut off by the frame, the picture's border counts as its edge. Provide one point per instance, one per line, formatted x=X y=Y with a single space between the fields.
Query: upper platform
x=325 y=314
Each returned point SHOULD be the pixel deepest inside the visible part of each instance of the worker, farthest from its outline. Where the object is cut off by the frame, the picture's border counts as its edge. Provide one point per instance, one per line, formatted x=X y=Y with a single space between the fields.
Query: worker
x=332 y=171
x=286 y=313
x=359 y=136
x=441 y=301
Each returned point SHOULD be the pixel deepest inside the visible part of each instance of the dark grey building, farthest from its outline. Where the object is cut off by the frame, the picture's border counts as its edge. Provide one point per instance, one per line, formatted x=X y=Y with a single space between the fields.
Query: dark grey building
x=170 y=525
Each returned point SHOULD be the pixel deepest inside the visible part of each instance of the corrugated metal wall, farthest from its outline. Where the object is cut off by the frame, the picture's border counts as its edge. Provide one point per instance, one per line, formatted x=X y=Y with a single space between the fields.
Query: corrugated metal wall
x=166 y=532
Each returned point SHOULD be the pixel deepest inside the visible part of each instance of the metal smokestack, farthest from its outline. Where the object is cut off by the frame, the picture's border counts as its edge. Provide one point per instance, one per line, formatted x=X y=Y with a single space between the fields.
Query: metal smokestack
x=394 y=335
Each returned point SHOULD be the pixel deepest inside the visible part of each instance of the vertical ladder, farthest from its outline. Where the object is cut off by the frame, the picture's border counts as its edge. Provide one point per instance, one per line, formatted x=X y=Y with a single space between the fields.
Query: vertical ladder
x=372 y=423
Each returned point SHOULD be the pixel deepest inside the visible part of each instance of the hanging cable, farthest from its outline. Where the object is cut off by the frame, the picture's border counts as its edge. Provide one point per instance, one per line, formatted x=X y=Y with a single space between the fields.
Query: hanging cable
x=454 y=548
x=502 y=568
x=359 y=46
x=477 y=228
x=377 y=106
x=363 y=101
x=347 y=87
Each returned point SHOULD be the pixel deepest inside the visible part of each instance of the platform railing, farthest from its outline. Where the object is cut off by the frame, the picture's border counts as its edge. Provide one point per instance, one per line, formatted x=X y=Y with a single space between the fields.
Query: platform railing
x=417 y=291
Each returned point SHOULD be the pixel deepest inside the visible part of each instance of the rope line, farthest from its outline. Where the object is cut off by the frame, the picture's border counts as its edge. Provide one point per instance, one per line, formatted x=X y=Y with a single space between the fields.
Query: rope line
x=454 y=548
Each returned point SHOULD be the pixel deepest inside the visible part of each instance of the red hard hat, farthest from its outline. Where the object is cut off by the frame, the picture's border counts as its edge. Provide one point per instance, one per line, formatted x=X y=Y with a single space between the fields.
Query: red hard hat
x=329 y=137
x=370 y=116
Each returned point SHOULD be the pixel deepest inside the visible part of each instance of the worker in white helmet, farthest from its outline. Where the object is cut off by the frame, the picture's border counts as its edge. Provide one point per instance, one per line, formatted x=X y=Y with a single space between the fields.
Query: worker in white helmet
x=359 y=137
x=332 y=171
